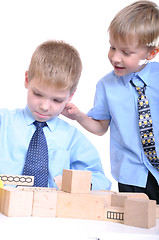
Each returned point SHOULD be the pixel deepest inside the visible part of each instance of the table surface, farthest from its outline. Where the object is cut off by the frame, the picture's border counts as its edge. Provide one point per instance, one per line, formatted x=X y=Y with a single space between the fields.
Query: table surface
x=21 y=228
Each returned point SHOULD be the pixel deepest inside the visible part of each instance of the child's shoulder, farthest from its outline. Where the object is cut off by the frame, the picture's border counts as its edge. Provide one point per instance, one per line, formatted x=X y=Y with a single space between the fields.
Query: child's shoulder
x=65 y=126
x=154 y=66
x=68 y=130
x=10 y=112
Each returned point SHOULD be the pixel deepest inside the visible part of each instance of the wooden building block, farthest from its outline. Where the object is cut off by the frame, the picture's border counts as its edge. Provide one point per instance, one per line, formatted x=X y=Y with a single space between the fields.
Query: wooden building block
x=82 y=206
x=44 y=202
x=17 y=180
x=118 y=199
x=157 y=211
x=58 y=181
x=15 y=203
x=76 y=181
x=107 y=195
x=114 y=214
x=140 y=213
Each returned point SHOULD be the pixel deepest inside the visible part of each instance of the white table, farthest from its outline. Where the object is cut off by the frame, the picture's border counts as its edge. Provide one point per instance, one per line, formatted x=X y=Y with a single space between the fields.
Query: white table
x=21 y=228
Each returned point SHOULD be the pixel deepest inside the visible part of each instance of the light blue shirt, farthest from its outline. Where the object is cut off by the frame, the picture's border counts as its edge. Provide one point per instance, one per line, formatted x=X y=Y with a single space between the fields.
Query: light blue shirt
x=116 y=99
x=68 y=148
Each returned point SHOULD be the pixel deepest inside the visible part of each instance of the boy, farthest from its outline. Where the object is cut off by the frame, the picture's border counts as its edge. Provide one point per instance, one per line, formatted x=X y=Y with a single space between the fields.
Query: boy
x=134 y=40
x=50 y=81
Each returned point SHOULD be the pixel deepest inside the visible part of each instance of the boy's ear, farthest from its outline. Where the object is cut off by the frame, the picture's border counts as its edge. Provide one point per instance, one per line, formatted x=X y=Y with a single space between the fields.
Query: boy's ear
x=152 y=54
x=26 y=79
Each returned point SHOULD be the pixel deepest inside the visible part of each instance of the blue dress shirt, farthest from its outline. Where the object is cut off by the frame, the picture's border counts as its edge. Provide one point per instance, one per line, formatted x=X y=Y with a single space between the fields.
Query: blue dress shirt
x=116 y=99
x=68 y=148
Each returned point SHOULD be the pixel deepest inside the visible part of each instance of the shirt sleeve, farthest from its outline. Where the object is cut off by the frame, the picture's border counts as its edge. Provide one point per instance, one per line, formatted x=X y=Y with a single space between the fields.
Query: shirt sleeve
x=100 y=110
x=84 y=156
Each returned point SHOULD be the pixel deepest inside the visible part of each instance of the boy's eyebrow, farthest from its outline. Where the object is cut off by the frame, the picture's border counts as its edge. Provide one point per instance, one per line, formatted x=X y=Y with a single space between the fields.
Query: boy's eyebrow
x=54 y=97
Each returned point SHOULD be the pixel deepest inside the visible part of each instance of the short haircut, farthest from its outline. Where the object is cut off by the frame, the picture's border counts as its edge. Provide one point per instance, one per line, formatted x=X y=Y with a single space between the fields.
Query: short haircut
x=140 y=18
x=56 y=62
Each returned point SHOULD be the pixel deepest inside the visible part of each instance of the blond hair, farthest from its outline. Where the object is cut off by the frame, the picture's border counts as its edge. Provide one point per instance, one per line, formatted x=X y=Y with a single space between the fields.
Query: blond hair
x=57 y=63
x=140 y=18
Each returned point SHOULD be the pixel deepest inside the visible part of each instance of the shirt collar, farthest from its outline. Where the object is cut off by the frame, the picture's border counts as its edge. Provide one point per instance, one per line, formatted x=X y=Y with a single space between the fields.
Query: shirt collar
x=143 y=74
x=30 y=119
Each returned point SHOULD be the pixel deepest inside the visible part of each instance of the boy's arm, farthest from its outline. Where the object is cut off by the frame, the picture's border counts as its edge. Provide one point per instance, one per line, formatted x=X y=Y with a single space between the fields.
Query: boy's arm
x=98 y=127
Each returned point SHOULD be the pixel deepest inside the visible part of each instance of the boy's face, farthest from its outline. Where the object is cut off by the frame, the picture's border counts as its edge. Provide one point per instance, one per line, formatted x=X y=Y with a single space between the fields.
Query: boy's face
x=45 y=102
x=127 y=58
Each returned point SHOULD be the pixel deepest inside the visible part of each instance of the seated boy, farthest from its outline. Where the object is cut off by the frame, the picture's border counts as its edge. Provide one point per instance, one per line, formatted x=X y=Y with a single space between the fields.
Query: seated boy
x=51 y=80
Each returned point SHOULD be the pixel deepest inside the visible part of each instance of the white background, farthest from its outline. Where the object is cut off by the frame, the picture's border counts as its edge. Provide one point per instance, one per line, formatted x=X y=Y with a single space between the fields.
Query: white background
x=83 y=23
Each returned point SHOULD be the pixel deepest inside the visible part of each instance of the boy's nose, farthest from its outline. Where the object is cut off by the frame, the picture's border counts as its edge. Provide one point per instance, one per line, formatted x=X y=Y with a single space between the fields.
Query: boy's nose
x=116 y=58
x=44 y=105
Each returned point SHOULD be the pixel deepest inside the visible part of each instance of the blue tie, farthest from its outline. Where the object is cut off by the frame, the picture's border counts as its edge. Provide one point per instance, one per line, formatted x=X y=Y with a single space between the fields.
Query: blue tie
x=36 y=163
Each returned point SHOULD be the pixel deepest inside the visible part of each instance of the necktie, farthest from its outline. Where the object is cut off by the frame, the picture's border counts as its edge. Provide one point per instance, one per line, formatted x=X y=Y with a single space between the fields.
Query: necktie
x=36 y=163
x=145 y=126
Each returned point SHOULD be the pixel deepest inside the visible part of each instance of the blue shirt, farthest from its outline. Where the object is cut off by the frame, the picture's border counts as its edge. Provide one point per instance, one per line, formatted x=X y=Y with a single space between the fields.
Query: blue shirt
x=116 y=99
x=68 y=148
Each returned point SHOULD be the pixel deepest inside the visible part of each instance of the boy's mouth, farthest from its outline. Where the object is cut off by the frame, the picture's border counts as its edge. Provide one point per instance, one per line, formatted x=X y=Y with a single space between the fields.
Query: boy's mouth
x=40 y=115
x=119 y=68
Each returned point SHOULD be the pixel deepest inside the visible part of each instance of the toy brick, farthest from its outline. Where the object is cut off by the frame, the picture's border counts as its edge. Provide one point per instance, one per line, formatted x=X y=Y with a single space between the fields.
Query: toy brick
x=140 y=213
x=76 y=181
x=17 y=180
x=104 y=193
x=82 y=206
x=118 y=199
x=157 y=211
x=58 y=181
x=44 y=202
x=15 y=203
x=114 y=214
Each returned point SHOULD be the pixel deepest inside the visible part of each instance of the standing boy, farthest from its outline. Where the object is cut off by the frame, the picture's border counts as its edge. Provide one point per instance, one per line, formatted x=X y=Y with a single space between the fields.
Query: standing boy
x=134 y=41
x=51 y=80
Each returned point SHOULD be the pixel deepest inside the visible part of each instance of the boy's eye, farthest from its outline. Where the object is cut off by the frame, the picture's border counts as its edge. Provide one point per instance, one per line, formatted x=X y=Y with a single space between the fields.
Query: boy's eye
x=37 y=94
x=126 y=53
x=112 y=48
x=57 y=101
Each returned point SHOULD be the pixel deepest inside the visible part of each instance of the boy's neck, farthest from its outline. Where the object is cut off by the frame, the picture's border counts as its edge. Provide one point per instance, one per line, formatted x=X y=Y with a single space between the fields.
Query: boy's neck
x=141 y=67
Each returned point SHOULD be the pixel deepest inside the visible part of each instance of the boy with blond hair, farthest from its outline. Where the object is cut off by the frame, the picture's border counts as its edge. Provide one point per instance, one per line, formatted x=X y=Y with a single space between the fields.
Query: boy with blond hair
x=134 y=41
x=51 y=80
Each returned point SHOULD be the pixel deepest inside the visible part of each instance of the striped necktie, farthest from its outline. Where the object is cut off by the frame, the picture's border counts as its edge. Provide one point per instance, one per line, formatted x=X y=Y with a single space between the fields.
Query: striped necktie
x=36 y=163
x=145 y=126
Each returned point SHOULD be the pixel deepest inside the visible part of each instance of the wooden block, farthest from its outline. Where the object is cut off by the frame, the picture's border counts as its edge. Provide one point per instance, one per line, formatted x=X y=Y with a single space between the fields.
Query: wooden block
x=118 y=199
x=44 y=203
x=17 y=180
x=114 y=214
x=15 y=203
x=76 y=181
x=58 y=181
x=82 y=206
x=157 y=211
x=106 y=194
x=140 y=213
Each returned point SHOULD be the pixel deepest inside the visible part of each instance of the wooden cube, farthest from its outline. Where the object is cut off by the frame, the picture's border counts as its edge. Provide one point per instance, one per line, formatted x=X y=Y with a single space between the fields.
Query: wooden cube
x=15 y=203
x=76 y=181
x=140 y=213
x=157 y=211
x=118 y=199
x=44 y=202
x=82 y=206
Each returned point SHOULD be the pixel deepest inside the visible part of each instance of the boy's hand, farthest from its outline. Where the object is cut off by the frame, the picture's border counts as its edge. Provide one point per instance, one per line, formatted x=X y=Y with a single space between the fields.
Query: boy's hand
x=71 y=111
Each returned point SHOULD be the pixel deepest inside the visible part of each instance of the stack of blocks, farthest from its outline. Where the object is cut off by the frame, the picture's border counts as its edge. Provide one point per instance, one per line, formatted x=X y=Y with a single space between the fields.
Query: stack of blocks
x=76 y=200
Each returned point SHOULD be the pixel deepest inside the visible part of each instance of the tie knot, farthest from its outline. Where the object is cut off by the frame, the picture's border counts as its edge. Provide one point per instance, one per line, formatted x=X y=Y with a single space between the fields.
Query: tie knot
x=40 y=124
x=140 y=90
